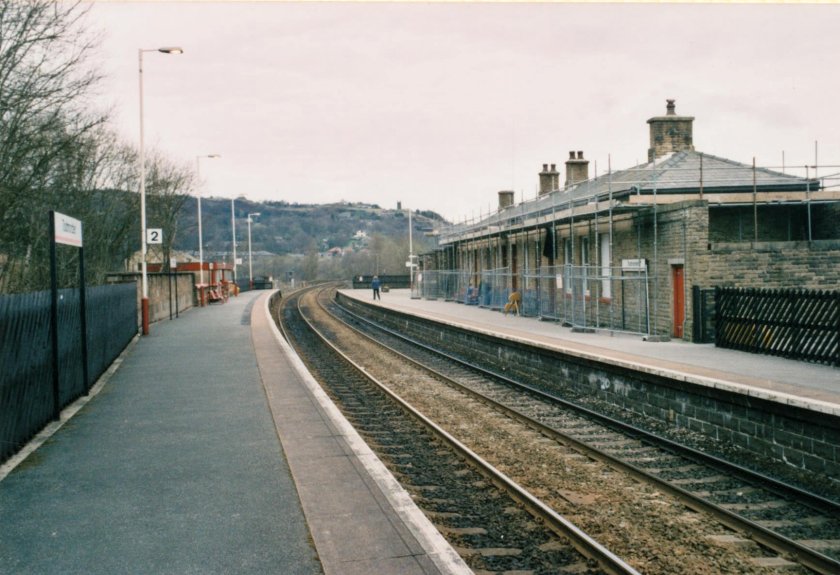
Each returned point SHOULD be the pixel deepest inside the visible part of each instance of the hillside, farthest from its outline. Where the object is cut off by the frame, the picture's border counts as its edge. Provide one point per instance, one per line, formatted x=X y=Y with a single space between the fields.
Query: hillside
x=283 y=228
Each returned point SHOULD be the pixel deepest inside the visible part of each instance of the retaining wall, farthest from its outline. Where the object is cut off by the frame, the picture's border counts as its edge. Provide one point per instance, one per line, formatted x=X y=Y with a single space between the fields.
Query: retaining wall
x=800 y=437
x=163 y=288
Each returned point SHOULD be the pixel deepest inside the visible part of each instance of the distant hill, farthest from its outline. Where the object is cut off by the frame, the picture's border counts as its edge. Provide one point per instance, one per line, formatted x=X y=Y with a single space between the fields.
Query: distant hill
x=283 y=228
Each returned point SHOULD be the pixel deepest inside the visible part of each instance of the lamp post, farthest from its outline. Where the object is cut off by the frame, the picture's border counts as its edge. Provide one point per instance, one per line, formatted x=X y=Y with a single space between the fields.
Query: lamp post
x=410 y=264
x=233 y=236
x=250 y=262
x=198 y=194
x=144 y=302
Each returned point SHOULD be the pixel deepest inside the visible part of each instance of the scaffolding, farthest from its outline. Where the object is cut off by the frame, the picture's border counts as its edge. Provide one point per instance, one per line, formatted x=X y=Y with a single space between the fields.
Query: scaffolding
x=582 y=297
x=678 y=175
x=559 y=284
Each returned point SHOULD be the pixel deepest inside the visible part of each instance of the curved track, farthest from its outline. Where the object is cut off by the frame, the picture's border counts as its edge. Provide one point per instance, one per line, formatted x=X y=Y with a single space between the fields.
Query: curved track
x=796 y=524
x=478 y=508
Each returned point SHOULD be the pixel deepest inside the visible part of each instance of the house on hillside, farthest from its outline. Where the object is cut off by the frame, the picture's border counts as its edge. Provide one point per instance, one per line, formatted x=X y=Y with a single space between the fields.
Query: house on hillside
x=359 y=240
x=638 y=249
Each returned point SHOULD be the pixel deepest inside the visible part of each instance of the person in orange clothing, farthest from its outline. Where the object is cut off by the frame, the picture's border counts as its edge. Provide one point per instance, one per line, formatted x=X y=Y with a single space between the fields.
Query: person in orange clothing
x=513 y=302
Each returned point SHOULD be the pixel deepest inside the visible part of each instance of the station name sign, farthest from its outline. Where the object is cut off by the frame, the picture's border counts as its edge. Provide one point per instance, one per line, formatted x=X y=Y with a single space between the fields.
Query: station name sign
x=68 y=231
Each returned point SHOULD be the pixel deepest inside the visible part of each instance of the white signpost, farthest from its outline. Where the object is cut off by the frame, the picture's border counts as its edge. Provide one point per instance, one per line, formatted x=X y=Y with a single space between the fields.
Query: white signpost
x=66 y=231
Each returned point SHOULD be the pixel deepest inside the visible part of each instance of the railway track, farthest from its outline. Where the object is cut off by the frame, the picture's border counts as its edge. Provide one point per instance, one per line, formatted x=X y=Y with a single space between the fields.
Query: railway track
x=782 y=520
x=496 y=526
x=797 y=525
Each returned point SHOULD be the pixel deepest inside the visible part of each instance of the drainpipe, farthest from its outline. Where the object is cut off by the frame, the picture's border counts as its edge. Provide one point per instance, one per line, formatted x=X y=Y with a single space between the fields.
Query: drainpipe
x=808 y=198
x=755 y=206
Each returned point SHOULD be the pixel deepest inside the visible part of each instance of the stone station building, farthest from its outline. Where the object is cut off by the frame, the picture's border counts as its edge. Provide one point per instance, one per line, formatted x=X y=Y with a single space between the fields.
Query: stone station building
x=638 y=249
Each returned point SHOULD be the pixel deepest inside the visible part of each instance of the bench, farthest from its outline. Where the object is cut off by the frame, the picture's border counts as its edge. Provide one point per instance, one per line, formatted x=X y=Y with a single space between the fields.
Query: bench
x=214 y=295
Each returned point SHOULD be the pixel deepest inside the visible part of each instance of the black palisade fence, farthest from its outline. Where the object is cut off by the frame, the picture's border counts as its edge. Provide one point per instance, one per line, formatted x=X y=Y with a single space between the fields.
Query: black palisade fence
x=795 y=323
x=26 y=399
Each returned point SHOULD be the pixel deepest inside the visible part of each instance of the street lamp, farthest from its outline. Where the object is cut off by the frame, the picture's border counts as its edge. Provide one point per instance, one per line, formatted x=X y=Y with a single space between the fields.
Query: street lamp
x=250 y=263
x=198 y=194
x=411 y=257
x=233 y=234
x=144 y=302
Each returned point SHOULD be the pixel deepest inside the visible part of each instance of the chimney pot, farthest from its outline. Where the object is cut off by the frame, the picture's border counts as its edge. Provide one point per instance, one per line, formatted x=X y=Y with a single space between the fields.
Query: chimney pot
x=553 y=167
x=580 y=155
x=545 y=167
x=571 y=154
x=671 y=108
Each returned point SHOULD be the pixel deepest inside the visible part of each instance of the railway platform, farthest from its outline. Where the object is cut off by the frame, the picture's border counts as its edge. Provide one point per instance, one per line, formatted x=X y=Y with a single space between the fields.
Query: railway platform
x=810 y=386
x=210 y=450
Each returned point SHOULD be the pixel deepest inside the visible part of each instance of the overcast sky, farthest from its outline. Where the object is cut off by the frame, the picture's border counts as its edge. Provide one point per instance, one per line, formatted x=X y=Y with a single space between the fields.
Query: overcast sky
x=440 y=106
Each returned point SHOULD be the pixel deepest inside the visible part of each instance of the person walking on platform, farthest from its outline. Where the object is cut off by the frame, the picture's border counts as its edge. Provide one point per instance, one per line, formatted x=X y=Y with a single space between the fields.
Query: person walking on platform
x=513 y=302
x=375 y=285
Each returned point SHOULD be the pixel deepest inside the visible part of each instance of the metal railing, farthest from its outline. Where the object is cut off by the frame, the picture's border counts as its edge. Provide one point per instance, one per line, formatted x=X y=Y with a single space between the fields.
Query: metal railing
x=26 y=398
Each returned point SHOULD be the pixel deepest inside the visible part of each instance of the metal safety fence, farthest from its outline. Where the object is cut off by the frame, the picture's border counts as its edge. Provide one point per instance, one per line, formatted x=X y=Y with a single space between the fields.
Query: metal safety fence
x=583 y=297
x=26 y=382
x=449 y=286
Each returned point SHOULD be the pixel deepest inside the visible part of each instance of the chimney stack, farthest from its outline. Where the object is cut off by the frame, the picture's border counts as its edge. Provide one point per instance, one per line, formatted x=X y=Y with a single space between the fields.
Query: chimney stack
x=577 y=169
x=670 y=133
x=549 y=179
x=505 y=199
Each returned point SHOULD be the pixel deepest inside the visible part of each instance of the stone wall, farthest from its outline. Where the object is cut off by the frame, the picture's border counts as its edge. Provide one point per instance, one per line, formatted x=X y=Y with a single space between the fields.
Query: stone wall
x=808 y=265
x=162 y=293
x=680 y=232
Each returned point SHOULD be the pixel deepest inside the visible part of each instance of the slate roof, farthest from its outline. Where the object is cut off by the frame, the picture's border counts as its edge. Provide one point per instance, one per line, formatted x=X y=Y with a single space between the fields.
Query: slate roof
x=678 y=172
x=681 y=172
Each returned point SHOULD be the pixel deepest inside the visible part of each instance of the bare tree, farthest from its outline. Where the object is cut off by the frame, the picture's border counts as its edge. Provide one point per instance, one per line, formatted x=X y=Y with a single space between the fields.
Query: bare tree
x=105 y=169
x=43 y=84
x=167 y=185
x=310 y=262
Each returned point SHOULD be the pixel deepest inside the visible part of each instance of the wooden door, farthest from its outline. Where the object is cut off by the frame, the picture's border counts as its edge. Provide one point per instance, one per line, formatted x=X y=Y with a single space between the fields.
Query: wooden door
x=678 y=281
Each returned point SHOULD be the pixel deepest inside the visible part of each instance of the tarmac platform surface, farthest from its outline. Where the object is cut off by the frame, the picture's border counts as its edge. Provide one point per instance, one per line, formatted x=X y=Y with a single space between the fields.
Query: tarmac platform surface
x=812 y=386
x=210 y=449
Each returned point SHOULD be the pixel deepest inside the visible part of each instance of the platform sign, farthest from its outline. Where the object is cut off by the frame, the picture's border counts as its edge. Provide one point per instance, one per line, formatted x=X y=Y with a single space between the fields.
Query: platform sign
x=634 y=265
x=68 y=231
x=154 y=236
